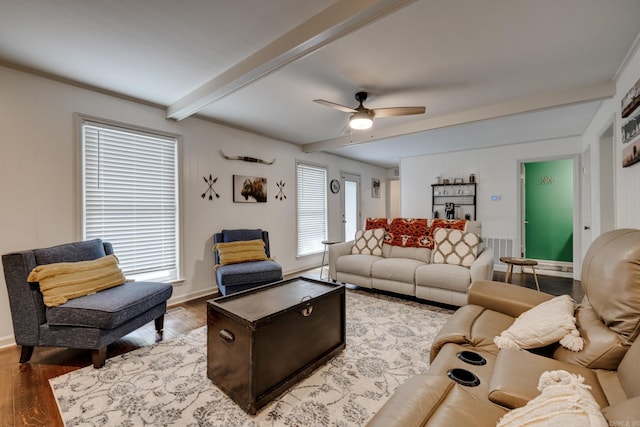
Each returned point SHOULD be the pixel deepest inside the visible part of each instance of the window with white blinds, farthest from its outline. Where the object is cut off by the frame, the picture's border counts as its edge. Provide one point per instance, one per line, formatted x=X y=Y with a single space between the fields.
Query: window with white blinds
x=312 y=208
x=130 y=197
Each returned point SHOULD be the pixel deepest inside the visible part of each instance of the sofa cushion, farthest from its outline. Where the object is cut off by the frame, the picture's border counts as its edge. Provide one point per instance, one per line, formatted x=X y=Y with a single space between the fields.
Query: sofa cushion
x=445 y=276
x=71 y=252
x=455 y=247
x=435 y=400
x=240 y=251
x=512 y=387
x=397 y=269
x=249 y=272
x=611 y=280
x=564 y=401
x=625 y=411
x=109 y=308
x=359 y=264
x=419 y=254
x=603 y=348
x=544 y=324
x=474 y=227
x=474 y=326
x=241 y=234
x=368 y=242
x=59 y=282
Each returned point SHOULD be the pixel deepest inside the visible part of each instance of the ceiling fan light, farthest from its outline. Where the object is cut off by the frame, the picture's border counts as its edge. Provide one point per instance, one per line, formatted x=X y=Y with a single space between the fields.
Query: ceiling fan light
x=360 y=120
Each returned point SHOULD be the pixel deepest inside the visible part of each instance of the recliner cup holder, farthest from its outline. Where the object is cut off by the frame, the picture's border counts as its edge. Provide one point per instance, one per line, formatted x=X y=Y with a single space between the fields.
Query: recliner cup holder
x=472 y=358
x=463 y=377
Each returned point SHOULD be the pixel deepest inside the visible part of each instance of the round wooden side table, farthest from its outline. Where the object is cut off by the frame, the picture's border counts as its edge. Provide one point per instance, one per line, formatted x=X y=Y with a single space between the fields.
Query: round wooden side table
x=522 y=262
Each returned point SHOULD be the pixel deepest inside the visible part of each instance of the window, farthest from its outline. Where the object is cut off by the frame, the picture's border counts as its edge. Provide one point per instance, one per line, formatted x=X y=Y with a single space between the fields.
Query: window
x=312 y=208
x=130 y=197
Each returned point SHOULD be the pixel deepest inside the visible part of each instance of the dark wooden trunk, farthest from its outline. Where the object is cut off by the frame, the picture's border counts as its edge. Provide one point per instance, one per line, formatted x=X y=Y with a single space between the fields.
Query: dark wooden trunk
x=262 y=341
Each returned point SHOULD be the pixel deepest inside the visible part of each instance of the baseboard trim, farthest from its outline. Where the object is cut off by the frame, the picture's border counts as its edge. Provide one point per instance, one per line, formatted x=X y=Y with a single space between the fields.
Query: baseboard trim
x=191 y=296
x=7 y=341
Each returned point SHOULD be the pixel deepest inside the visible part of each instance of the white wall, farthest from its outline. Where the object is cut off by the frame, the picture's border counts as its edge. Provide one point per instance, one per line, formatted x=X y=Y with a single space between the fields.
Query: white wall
x=497 y=174
x=39 y=178
x=393 y=199
x=626 y=180
x=496 y=171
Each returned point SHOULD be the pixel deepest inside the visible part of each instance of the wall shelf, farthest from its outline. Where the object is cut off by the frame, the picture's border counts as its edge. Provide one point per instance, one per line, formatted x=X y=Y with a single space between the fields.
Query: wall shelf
x=462 y=195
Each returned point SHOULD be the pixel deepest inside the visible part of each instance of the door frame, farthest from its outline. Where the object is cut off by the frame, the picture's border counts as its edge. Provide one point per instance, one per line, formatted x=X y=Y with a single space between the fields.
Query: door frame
x=343 y=177
x=577 y=213
x=586 y=180
x=606 y=166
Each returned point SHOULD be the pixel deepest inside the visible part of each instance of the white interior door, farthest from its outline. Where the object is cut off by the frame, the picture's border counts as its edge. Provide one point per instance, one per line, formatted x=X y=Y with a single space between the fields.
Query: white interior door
x=350 y=204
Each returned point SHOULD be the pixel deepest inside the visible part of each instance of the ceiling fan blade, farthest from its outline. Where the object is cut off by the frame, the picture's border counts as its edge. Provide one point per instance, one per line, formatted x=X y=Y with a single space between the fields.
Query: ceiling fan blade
x=334 y=105
x=398 y=111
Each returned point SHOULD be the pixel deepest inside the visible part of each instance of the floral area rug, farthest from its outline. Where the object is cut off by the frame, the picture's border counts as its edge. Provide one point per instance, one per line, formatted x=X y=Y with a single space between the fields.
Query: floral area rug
x=388 y=341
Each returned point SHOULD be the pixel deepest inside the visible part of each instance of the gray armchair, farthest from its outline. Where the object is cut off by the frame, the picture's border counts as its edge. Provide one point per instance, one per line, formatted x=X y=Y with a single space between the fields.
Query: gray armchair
x=89 y=322
x=234 y=278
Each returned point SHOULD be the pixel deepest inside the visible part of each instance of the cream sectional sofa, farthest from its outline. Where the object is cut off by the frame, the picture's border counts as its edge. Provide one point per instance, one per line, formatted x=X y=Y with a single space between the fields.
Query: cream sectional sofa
x=411 y=270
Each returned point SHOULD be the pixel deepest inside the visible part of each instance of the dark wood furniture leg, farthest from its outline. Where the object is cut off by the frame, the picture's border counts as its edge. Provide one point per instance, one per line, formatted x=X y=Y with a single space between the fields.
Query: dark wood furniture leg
x=159 y=327
x=26 y=353
x=98 y=357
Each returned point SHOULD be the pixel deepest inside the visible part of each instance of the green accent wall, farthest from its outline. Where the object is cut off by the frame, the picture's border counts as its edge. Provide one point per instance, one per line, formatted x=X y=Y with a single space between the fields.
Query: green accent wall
x=549 y=210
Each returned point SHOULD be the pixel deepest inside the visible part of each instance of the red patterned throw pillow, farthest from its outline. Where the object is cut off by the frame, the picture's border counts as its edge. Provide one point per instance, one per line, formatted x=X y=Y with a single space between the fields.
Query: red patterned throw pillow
x=450 y=224
x=373 y=223
x=409 y=233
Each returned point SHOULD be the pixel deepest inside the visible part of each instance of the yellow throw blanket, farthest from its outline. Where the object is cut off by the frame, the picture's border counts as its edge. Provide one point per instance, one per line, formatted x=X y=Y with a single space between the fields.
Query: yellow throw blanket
x=67 y=280
x=240 y=251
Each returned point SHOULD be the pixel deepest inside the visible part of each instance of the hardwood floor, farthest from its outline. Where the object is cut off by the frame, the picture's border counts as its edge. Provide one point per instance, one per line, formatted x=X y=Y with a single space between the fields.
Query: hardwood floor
x=26 y=398
x=549 y=284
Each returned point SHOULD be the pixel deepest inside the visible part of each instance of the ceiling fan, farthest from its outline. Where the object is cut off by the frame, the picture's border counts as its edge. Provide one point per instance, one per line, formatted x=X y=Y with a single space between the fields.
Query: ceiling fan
x=362 y=117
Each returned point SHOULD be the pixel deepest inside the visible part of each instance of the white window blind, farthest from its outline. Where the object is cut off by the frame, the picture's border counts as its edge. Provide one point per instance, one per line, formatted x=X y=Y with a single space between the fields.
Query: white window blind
x=312 y=208
x=130 y=197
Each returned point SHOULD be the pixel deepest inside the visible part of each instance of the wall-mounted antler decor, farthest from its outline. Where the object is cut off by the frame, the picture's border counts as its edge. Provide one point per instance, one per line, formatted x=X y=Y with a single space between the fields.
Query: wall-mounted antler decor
x=246 y=159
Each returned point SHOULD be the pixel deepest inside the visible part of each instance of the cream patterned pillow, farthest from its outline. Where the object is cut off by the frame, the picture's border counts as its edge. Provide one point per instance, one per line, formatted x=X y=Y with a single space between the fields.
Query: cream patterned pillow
x=455 y=247
x=564 y=401
x=368 y=242
x=546 y=323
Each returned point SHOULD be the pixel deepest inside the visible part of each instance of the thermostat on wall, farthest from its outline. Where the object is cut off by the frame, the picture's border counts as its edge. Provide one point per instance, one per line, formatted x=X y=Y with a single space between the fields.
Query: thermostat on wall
x=495 y=198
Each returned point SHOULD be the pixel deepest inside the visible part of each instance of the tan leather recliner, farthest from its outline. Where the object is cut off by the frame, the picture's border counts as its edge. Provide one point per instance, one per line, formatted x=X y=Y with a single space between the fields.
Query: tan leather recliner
x=608 y=319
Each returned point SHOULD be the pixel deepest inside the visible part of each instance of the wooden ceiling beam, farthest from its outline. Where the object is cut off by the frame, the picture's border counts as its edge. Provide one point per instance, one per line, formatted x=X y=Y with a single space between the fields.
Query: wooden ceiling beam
x=559 y=98
x=338 y=20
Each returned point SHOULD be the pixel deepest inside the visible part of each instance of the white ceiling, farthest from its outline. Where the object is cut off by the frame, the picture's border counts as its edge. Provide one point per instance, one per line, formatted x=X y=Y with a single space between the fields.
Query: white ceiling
x=489 y=72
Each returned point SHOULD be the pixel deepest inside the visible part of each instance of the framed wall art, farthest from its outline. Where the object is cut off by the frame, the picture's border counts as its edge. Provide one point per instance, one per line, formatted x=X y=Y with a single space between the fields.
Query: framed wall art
x=375 y=188
x=631 y=154
x=630 y=129
x=249 y=189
